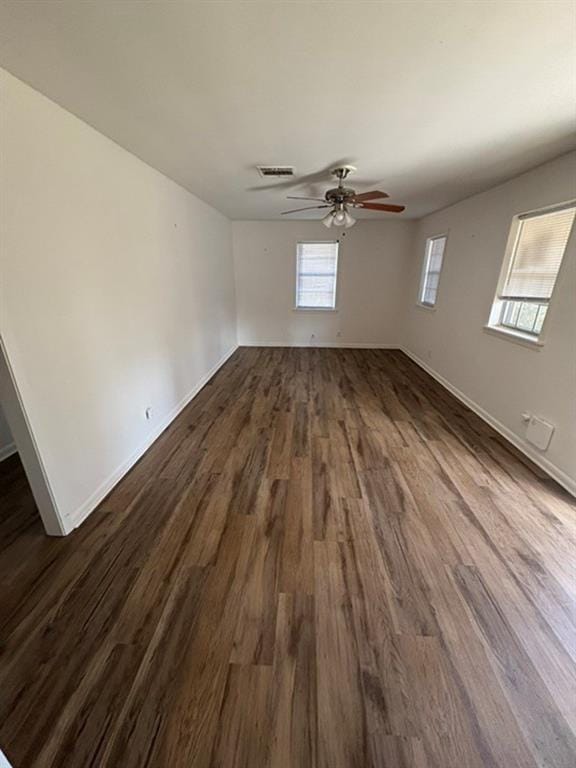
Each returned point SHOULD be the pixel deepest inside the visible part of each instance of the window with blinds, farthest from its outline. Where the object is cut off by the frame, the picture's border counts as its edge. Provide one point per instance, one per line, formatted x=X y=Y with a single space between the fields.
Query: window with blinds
x=316 y=271
x=538 y=244
x=433 y=257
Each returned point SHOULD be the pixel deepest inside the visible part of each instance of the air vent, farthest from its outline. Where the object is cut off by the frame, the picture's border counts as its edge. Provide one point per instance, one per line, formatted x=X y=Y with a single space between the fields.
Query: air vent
x=276 y=170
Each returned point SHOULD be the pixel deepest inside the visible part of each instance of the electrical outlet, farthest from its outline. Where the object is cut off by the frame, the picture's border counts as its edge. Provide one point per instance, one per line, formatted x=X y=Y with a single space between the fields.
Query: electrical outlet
x=339 y=334
x=148 y=413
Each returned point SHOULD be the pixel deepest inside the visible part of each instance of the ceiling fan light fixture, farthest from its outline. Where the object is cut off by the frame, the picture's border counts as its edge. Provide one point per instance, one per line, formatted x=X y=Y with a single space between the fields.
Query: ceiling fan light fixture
x=340 y=217
x=349 y=221
x=328 y=220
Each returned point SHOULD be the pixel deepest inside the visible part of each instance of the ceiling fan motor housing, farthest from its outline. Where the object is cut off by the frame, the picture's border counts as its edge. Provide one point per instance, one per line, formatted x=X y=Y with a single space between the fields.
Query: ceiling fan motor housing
x=339 y=194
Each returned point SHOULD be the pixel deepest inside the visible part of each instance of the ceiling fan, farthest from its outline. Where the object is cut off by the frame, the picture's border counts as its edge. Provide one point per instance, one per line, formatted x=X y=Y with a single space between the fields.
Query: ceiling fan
x=341 y=198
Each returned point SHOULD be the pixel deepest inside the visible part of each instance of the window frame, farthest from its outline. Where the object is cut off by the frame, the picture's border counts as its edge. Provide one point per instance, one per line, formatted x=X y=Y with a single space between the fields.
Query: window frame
x=495 y=323
x=302 y=308
x=424 y=270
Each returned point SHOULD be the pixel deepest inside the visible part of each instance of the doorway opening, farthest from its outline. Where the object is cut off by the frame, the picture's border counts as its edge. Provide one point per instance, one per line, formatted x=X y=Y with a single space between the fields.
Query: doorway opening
x=23 y=478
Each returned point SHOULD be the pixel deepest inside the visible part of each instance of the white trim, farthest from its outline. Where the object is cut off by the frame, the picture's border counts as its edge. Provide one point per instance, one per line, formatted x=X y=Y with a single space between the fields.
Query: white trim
x=74 y=519
x=532 y=342
x=320 y=345
x=557 y=474
x=314 y=309
x=424 y=269
x=7 y=450
x=53 y=521
x=334 y=307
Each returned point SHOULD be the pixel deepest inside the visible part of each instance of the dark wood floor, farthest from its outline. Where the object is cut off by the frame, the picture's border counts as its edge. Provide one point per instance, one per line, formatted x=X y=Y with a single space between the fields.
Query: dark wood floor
x=325 y=561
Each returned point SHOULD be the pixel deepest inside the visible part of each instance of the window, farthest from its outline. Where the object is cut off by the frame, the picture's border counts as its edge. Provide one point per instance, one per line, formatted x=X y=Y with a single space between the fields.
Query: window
x=535 y=249
x=316 y=268
x=432 y=267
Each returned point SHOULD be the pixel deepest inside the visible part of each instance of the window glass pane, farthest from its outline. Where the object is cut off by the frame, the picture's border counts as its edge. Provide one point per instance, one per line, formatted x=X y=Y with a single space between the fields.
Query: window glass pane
x=432 y=267
x=540 y=318
x=316 y=275
x=527 y=316
x=510 y=309
x=510 y=313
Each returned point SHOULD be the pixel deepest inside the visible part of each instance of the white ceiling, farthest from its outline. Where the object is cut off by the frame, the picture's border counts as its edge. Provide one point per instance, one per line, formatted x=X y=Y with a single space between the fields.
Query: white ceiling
x=433 y=101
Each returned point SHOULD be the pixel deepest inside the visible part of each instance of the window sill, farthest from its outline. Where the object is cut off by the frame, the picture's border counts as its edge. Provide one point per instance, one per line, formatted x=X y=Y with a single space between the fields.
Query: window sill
x=314 y=309
x=517 y=337
x=425 y=307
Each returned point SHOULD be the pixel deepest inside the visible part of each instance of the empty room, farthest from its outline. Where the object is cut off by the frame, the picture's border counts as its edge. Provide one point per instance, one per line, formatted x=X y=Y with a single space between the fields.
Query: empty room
x=288 y=384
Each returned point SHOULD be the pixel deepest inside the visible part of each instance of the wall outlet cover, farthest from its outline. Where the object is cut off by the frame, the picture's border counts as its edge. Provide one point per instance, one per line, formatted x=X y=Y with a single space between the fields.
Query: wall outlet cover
x=539 y=433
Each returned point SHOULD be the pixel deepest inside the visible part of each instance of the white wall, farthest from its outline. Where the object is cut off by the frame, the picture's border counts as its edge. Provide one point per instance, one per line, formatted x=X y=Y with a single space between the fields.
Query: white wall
x=6 y=440
x=117 y=292
x=372 y=261
x=500 y=376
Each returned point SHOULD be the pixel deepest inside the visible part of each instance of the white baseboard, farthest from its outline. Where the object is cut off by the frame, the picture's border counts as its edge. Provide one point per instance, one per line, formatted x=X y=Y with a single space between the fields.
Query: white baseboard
x=7 y=451
x=534 y=455
x=320 y=345
x=77 y=517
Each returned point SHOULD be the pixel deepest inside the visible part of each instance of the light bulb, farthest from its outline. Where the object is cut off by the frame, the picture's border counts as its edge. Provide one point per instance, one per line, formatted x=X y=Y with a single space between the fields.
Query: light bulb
x=328 y=220
x=340 y=217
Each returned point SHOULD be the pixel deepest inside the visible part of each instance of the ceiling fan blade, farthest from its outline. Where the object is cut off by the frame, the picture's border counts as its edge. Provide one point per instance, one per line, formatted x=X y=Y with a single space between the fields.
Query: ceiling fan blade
x=382 y=207
x=309 y=208
x=297 y=197
x=369 y=196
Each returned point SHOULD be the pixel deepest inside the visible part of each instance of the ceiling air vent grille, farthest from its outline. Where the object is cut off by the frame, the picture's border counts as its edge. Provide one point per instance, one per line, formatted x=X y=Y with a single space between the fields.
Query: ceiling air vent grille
x=275 y=170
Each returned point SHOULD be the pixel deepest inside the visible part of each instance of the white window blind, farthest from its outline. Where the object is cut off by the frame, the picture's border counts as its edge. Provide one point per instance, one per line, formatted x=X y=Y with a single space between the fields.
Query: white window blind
x=316 y=269
x=540 y=244
x=432 y=269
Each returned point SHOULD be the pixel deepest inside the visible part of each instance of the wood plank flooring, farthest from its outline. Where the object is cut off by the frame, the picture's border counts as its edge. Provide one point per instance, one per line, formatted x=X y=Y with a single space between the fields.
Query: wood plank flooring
x=325 y=561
